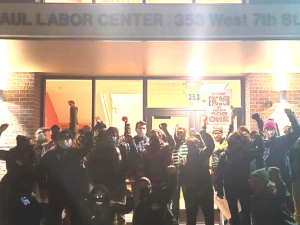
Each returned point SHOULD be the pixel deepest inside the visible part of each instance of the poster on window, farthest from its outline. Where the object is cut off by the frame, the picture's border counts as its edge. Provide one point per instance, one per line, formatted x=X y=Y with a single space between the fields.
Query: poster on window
x=218 y=110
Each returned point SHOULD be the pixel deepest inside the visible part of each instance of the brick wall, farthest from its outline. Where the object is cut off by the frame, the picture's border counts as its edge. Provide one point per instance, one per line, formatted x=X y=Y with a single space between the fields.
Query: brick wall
x=21 y=108
x=263 y=87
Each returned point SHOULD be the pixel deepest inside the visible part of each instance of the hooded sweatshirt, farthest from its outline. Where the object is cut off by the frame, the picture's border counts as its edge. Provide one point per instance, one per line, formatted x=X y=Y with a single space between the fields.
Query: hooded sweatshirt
x=268 y=207
x=104 y=212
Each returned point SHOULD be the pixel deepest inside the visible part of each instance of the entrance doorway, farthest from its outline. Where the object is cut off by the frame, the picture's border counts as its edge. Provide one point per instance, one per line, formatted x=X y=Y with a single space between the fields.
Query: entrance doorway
x=192 y=118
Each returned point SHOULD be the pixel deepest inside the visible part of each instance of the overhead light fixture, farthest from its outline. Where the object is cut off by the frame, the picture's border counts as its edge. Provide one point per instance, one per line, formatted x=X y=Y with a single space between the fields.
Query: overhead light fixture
x=283 y=95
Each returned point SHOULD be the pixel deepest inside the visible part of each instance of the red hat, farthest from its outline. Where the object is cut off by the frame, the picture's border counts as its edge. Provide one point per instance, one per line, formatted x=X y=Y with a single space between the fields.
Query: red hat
x=271 y=124
x=216 y=128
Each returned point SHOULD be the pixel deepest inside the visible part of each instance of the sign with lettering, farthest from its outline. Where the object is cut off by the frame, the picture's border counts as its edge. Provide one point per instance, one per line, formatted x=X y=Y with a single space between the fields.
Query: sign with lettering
x=150 y=21
x=218 y=108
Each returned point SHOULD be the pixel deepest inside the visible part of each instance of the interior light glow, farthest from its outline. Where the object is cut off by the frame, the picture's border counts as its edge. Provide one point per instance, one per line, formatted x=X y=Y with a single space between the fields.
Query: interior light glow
x=191 y=84
x=196 y=69
x=211 y=87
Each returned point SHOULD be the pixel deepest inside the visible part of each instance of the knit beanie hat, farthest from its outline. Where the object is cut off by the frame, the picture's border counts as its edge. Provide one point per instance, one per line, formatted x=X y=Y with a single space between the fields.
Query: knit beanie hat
x=262 y=173
x=270 y=123
x=217 y=129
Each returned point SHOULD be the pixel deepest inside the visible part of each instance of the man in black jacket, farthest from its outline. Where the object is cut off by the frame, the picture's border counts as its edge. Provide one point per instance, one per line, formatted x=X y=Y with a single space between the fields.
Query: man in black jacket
x=196 y=180
x=234 y=173
x=153 y=207
x=63 y=179
x=17 y=202
x=109 y=163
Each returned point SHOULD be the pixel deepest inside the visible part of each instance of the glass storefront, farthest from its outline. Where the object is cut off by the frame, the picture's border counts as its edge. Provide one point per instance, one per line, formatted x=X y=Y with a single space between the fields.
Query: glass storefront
x=152 y=100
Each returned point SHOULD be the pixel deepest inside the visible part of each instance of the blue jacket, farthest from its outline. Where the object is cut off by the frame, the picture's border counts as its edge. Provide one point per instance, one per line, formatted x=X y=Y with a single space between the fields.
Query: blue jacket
x=277 y=150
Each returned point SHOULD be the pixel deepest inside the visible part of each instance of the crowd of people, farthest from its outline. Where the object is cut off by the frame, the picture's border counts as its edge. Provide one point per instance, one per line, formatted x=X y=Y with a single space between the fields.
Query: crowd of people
x=80 y=176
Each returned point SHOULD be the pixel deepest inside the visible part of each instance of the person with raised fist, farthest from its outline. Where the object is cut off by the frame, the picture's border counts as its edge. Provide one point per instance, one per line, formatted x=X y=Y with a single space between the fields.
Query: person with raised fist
x=62 y=178
x=277 y=148
x=196 y=180
x=153 y=207
x=234 y=173
x=101 y=209
x=158 y=156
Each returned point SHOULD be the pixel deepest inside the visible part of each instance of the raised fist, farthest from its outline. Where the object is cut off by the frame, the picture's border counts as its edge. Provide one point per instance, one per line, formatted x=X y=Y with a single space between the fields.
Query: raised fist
x=3 y=127
x=255 y=116
x=205 y=120
x=171 y=169
x=98 y=119
x=125 y=119
x=71 y=103
x=163 y=126
x=288 y=112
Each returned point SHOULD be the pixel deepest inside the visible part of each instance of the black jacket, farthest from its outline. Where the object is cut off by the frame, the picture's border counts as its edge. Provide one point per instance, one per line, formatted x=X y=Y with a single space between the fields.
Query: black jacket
x=154 y=209
x=20 y=177
x=62 y=174
x=234 y=168
x=195 y=173
x=104 y=167
x=277 y=150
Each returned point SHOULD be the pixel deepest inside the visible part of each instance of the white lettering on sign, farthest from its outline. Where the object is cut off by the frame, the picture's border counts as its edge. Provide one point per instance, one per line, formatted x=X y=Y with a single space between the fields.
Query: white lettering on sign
x=151 y=21
x=218 y=109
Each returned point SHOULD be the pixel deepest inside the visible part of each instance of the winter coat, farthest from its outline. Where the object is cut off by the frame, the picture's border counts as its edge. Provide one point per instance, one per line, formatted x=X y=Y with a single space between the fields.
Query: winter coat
x=195 y=173
x=105 y=168
x=234 y=168
x=62 y=174
x=277 y=150
x=155 y=164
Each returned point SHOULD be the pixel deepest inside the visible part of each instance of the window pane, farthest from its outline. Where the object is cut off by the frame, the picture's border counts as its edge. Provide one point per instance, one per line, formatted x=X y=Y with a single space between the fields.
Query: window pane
x=219 y=1
x=169 y=1
x=68 y=1
x=120 y=1
x=58 y=93
x=118 y=98
x=175 y=93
